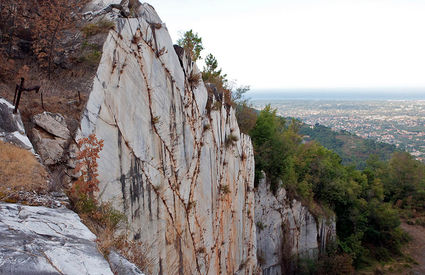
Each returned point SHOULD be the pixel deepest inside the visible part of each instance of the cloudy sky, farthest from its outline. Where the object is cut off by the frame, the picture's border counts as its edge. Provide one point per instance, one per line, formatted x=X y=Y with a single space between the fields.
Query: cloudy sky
x=278 y=44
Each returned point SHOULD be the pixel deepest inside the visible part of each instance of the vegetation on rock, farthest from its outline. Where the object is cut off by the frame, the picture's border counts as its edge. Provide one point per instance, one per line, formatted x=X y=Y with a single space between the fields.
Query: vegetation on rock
x=365 y=202
x=192 y=43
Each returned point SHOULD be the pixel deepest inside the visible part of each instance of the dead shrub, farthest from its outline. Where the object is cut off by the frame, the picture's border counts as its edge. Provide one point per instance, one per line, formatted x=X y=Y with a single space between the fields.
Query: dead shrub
x=20 y=171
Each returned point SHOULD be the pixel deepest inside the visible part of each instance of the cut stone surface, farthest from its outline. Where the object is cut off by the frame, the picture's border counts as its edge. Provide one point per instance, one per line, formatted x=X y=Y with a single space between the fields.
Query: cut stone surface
x=164 y=162
x=40 y=240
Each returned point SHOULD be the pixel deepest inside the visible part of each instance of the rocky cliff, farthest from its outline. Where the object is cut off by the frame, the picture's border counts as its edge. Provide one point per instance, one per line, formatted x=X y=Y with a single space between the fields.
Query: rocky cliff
x=174 y=161
x=287 y=230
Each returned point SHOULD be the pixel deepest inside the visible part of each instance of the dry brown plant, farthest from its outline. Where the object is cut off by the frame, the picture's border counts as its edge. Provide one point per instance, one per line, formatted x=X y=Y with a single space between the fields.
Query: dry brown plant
x=20 y=171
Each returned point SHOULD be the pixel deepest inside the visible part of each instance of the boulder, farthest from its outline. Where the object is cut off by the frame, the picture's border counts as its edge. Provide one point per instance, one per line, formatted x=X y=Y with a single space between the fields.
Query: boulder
x=54 y=124
x=50 y=150
x=11 y=126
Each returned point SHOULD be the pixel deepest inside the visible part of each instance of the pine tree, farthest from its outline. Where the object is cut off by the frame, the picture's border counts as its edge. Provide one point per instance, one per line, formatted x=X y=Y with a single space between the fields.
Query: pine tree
x=192 y=43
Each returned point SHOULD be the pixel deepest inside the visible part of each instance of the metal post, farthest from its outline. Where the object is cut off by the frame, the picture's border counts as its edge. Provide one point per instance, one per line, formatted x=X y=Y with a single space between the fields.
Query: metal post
x=19 y=95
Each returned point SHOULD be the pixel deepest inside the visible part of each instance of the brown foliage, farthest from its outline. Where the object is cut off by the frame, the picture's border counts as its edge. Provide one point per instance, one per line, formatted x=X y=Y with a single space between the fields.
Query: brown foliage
x=20 y=171
x=6 y=66
x=87 y=183
x=53 y=18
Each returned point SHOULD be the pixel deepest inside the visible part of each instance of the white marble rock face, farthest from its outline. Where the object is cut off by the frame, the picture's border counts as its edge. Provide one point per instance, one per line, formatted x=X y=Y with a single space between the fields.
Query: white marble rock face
x=40 y=240
x=286 y=229
x=187 y=196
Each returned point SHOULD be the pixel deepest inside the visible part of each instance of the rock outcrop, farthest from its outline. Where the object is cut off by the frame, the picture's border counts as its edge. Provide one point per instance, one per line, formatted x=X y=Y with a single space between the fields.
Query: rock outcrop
x=51 y=137
x=181 y=172
x=286 y=230
x=11 y=126
x=40 y=240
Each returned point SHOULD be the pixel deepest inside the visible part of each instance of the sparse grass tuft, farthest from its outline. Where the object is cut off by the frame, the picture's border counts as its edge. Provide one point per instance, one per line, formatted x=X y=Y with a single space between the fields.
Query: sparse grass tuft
x=91 y=54
x=230 y=140
x=217 y=106
x=102 y=26
x=20 y=171
x=207 y=127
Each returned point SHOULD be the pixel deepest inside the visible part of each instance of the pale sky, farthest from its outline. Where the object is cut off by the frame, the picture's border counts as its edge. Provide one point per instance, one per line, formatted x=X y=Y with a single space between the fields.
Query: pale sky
x=272 y=44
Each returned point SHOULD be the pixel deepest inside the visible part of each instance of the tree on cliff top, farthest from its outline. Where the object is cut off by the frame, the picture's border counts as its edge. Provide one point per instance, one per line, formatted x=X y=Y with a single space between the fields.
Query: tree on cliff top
x=191 y=42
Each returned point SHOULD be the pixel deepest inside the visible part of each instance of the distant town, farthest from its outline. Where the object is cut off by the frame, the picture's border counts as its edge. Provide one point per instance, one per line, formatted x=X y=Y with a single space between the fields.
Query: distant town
x=398 y=122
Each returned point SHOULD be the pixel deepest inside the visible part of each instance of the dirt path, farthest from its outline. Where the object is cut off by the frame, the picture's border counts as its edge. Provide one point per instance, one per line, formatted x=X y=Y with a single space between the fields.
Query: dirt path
x=416 y=248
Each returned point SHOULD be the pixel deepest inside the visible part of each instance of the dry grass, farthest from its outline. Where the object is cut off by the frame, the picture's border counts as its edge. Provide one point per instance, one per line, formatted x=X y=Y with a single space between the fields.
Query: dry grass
x=102 y=26
x=137 y=253
x=20 y=171
x=106 y=223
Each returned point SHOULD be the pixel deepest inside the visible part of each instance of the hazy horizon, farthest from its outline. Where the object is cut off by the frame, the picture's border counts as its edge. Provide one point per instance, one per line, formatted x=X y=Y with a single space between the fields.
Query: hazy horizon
x=338 y=94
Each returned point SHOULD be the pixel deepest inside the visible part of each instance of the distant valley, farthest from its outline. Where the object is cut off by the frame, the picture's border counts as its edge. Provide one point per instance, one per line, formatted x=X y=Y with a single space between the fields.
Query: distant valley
x=397 y=122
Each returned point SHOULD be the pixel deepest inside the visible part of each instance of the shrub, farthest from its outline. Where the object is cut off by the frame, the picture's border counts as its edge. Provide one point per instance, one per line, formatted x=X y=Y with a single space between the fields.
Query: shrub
x=335 y=264
x=224 y=189
x=260 y=225
x=102 y=26
x=87 y=183
x=194 y=80
x=20 y=171
x=91 y=54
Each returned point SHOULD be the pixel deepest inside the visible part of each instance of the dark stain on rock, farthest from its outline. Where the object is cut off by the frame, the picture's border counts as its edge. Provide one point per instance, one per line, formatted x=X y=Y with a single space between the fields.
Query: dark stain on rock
x=122 y=178
x=178 y=246
x=149 y=201
x=161 y=272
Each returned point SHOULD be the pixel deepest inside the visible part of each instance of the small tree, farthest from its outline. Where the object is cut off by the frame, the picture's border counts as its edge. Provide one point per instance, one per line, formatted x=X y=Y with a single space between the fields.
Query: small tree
x=191 y=42
x=54 y=17
x=87 y=183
